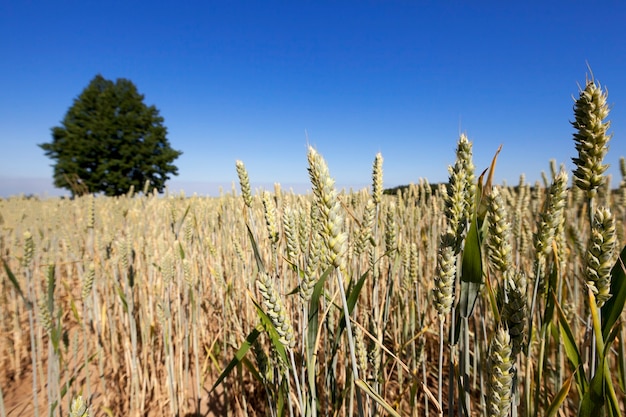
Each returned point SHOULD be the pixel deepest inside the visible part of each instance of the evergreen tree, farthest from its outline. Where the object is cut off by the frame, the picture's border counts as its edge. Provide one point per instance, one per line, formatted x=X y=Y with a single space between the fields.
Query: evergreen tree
x=109 y=141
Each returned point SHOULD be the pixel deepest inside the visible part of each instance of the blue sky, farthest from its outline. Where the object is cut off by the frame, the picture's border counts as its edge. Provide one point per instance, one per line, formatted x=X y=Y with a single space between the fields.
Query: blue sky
x=258 y=81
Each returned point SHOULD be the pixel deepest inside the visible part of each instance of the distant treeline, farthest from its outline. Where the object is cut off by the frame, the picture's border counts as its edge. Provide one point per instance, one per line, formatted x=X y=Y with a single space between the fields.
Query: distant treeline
x=436 y=186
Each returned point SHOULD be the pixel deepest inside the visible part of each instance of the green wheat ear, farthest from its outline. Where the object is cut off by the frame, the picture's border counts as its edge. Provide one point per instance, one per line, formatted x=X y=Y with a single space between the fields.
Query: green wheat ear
x=443 y=291
x=276 y=310
x=460 y=192
x=269 y=209
x=498 y=239
x=551 y=215
x=591 y=138
x=329 y=207
x=600 y=255
x=515 y=310
x=500 y=375
x=79 y=408
x=88 y=281
x=29 y=249
x=377 y=178
x=291 y=234
x=244 y=182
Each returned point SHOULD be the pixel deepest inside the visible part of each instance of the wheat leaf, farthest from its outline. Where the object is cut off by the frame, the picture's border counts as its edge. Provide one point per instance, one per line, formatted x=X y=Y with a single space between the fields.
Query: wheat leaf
x=612 y=309
x=241 y=352
x=556 y=403
x=15 y=283
x=571 y=349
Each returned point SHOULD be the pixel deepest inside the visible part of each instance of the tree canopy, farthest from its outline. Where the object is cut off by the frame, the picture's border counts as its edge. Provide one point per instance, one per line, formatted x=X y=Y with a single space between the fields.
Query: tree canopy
x=109 y=140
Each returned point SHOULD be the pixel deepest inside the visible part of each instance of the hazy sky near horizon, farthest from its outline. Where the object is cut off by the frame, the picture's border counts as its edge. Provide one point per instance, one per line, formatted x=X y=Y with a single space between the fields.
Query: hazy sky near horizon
x=259 y=81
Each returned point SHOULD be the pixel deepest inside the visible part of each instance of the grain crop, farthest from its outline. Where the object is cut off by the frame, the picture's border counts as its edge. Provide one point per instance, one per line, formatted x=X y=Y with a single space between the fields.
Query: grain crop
x=467 y=298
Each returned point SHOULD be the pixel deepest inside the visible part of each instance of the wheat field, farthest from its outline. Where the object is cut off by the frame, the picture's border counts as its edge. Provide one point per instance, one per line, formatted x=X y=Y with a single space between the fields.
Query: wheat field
x=467 y=298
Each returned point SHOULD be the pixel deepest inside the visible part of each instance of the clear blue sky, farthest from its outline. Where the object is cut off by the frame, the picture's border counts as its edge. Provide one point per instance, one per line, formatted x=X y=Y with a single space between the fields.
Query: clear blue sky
x=259 y=80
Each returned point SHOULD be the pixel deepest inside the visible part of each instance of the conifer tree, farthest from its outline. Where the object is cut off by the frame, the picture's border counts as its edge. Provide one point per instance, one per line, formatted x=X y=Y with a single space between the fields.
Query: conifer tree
x=110 y=141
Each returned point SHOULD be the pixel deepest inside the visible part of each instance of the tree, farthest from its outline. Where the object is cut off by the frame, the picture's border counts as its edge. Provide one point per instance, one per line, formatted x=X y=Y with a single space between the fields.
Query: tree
x=109 y=141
